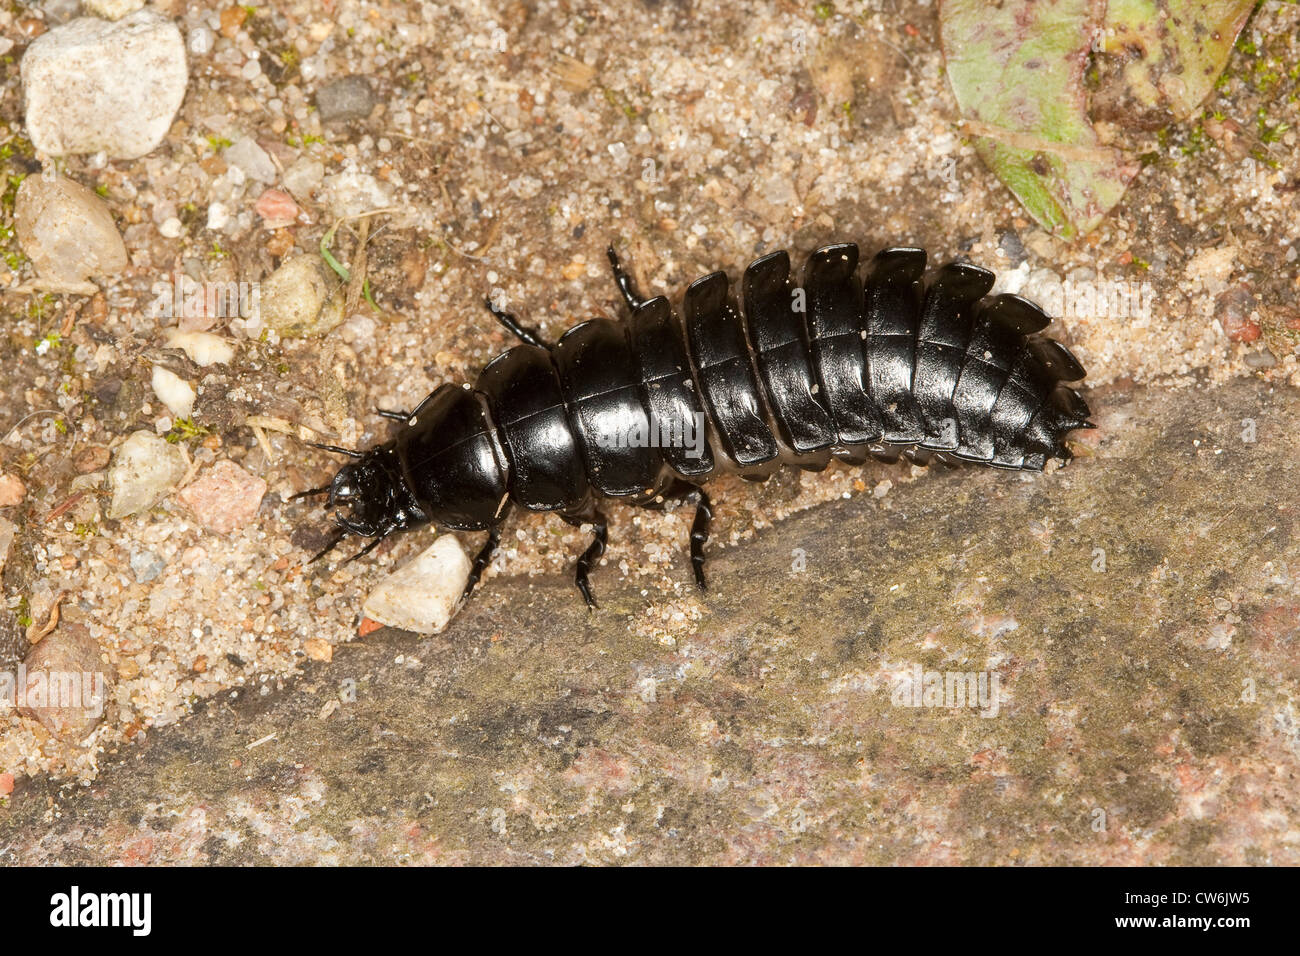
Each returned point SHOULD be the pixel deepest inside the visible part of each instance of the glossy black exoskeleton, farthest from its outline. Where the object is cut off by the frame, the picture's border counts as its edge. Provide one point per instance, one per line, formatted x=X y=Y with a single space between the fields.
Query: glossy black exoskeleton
x=647 y=410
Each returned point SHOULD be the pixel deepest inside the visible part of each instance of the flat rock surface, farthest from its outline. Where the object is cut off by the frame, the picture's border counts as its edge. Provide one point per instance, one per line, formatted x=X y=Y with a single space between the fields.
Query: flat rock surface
x=1139 y=610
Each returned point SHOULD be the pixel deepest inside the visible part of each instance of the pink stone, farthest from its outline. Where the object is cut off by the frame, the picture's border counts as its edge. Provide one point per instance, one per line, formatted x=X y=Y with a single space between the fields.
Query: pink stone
x=277 y=208
x=225 y=498
x=11 y=490
x=66 y=683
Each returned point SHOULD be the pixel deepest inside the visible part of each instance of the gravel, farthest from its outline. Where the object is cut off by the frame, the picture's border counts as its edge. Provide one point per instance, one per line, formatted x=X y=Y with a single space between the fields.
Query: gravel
x=68 y=234
x=66 y=683
x=252 y=159
x=347 y=98
x=113 y=9
x=224 y=498
x=174 y=392
x=144 y=469
x=12 y=490
x=301 y=298
x=422 y=595
x=96 y=85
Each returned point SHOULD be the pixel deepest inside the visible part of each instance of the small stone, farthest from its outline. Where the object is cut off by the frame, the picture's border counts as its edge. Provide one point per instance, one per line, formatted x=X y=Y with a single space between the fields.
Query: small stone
x=232 y=18
x=299 y=298
x=277 y=209
x=66 y=683
x=1011 y=246
x=347 y=98
x=68 y=234
x=205 y=348
x=144 y=469
x=218 y=216
x=1237 y=314
x=146 y=565
x=11 y=490
x=318 y=649
x=7 y=531
x=171 y=228
x=252 y=159
x=113 y=9
x=106 y=86
x=61 y=11
x=304 y=177
x=351 y=194
x=1213 y=265
x=225 y=498
x=174 y=392
x=1260 y=359
x=6 y=784
x=91 y=458
x=424 y=593
x=128 y=669
x=280 y=244
x=358 y=330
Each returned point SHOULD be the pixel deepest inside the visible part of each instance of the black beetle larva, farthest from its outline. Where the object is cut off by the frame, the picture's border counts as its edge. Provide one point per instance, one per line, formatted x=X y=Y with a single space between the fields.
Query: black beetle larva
x=648 y=410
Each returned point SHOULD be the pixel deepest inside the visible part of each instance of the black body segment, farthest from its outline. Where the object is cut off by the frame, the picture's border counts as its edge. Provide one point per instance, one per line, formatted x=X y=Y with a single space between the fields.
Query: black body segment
x=650 y=408
x=671 y=396
x=716 y=339
x=779 y=336
x=1001 y=324
x=523 y=391
x=942 y=338
x=451 y=460
x=836 y=324
x=892 y=292
x=598 y=378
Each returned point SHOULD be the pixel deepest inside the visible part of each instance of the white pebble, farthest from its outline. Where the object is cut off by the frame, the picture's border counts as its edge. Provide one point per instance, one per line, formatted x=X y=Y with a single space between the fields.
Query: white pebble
x=93 y=85
x=174 y=392
x=252 y=159
x=67 y=232
x=350 y=194
x=144 y=469
x=205 y=348
x=423 y=594
x=218 y=216
x=299 y=299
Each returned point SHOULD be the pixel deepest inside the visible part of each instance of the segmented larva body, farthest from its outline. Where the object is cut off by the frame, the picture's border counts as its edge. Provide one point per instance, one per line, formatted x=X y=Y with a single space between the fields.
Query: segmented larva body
x=790 y=372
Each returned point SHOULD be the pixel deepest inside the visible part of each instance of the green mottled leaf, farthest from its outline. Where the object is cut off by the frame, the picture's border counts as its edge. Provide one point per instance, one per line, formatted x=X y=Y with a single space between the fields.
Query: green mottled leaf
x=1017 y=70
x=1168 y=53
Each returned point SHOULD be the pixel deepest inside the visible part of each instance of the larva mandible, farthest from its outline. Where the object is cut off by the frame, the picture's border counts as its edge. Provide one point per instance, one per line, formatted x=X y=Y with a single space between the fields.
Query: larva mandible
x=647 y=410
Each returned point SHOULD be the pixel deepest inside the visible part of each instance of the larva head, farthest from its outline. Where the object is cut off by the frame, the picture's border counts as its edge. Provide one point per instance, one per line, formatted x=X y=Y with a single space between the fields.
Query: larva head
x=369 y=497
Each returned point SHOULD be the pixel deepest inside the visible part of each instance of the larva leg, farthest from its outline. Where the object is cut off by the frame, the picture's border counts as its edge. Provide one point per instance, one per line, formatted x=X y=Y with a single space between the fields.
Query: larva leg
x=393 y=414
x=624 y=281
x=685 y=491
x=700 y=535
x=379 y=539
x=594 y=552
x=481 y=560
x=511 y=324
